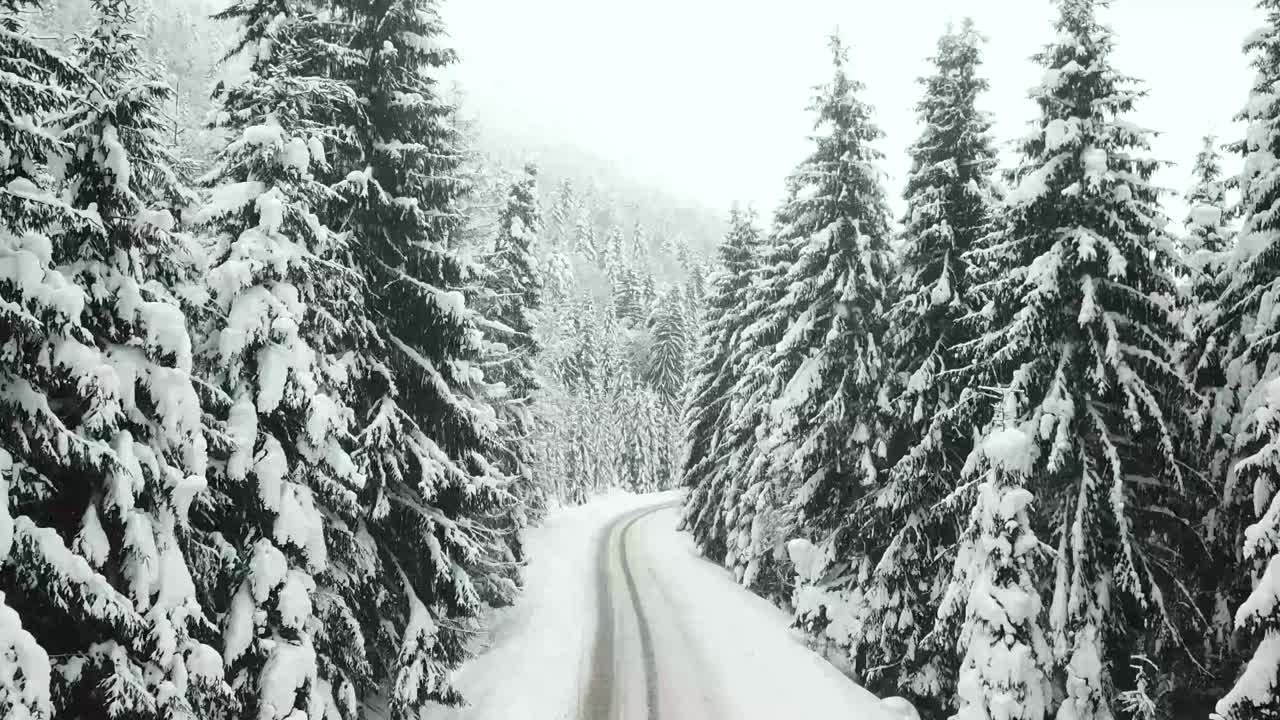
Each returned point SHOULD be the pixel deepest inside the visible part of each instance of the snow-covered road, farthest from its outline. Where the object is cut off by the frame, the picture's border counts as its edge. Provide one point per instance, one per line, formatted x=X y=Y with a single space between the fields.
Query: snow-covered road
x=651 y=630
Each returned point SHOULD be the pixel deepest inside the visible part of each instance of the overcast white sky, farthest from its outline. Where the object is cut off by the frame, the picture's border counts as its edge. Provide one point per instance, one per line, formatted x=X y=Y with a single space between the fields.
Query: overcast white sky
x=708 y=97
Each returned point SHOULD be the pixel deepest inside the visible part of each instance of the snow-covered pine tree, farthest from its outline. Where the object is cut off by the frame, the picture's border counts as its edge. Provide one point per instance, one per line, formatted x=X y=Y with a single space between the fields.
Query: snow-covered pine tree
x=289 y=318
x=1208 y=213
x=1243 y=328
x=705 y=417
x=741 y=461
x=562 y=215
x=1208 y=247
x=611 y=256
x=949 y=210
x=1209 y=238
x=1083 y=328
x=428 y=438
x=992 y=605
x=514 y=297
x=628 y=301
x=518 y=283
x=827 y=414
x=666 y=362
x=40 y=310
x=102 y=450
x=585 y=244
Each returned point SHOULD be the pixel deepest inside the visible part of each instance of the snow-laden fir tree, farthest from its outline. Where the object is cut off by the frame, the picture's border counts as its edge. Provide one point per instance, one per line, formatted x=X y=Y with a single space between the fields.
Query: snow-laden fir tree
x=41 y=310
x=1208 y=213
x=1208 y=242
x=741 y=461
x=992 y=604
x=1244 y=328
x=827 y=413
x=667 y=354
x=949 y=211
x=1084 y=322
x=705 y=416
x=513 y=297
x=517 y=284
x=103 y=449
x=585 y=243
x=612 y=255
x=561 y=216
x=427 y=436
x=279 y=351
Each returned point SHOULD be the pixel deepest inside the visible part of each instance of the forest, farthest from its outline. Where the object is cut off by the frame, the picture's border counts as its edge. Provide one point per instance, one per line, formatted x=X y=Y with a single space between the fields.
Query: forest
x=291 y=358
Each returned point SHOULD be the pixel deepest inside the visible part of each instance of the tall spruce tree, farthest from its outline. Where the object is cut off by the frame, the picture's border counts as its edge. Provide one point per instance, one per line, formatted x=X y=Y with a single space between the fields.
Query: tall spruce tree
x=1244 y=329
x=102 y=450
x=666 y=363
x=1005 y=658
x=705 y=418
x=514 y=297
x=518 y=283
x=289 y=318
x=827 y=423
x=428 y=438
x=949 y=211
x=1083 y=326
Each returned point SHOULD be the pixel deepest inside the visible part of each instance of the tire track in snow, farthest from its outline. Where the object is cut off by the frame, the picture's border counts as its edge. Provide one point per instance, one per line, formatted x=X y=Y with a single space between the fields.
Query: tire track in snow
x=601 y=701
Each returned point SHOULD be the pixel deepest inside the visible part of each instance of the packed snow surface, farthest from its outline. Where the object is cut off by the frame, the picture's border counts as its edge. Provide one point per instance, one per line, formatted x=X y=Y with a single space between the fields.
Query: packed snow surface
x=717 y=650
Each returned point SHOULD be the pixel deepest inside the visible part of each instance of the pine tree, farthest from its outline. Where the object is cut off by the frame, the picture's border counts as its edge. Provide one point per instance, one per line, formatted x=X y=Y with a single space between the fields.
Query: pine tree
x=516 y=294
x=611 y=257
x=102 y=451
x=1208 y=213
x=1243 y=330
x=949 y=210
x=628 y=298
x=439 y=507
x=518 y=282
x=563 y=213
x=1083 y=327
x=827 y=436
x=638 y=248
x=666 y=368
x=289 y=315
x=585 y=244
x=705 y=418
x=1005 y=658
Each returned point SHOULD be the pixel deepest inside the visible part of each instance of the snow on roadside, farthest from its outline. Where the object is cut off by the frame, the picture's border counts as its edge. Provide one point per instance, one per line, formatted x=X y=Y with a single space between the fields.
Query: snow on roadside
x=539 y=649
x=758 y=665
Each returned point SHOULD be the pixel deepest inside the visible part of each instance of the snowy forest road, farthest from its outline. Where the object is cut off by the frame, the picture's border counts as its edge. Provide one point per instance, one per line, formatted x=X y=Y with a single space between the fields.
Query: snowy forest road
x=677 y=639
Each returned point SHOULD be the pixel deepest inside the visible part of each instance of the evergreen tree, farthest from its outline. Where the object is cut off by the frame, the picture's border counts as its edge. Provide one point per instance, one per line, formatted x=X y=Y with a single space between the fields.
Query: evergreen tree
x=516 y=289
x=612 y=255
x=102 y=450
x=705 y=417
x=439 y=509
x=1005 y=658
x=827 y=426
x=1083 y=327
x=518 y=282
x=1243 y=330
x=563 y=214
x=584 y=236
x=289 y=316
x=752 y=512
x=1208 y=213
x=638 y=249
x=628 y=298
x=666 y=370
x=949 y=210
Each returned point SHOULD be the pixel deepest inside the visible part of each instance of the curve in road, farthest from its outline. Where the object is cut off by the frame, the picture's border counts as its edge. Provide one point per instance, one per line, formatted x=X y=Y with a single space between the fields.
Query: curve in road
x=605 y=695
